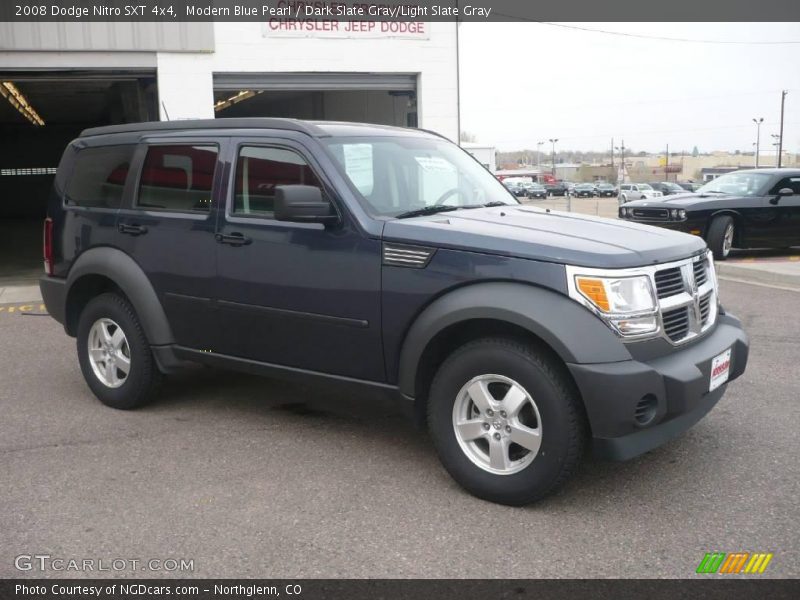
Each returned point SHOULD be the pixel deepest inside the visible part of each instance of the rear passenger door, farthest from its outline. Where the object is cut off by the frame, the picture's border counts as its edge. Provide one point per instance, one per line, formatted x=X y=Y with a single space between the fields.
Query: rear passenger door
x=787 y=232
x=294 y=294
x=168 y=229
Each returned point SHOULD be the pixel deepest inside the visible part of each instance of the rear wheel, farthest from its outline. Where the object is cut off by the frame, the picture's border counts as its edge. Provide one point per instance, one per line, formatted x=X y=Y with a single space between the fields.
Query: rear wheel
x=506 y=421
x=114 y=354
x=720 y=236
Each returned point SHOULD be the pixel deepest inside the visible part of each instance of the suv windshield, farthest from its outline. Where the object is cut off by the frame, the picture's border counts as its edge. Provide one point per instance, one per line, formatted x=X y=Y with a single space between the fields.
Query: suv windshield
x=745 y=183
x=395 y=175
x=644 y=186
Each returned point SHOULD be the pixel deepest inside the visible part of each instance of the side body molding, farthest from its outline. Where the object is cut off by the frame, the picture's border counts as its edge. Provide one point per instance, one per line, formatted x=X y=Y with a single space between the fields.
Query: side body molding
x=575 y=334
x=128 y=275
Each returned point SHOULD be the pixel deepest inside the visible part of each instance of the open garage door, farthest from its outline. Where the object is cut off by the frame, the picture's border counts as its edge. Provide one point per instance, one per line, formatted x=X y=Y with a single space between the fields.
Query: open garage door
x=40 y=113
x=381 y=98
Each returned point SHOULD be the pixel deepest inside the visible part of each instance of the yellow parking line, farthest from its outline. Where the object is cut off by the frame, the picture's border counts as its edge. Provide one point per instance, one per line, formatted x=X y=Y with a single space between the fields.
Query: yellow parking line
x=29 y=307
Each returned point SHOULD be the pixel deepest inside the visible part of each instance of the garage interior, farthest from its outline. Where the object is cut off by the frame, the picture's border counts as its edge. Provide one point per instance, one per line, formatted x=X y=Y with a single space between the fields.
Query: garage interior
x=383 y=99
x=65 y=102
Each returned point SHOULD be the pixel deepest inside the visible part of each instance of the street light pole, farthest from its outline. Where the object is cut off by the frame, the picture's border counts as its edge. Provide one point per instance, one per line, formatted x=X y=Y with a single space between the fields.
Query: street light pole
x=553 y=142
x=758 y=123
x=622 y=160
x=539 y=158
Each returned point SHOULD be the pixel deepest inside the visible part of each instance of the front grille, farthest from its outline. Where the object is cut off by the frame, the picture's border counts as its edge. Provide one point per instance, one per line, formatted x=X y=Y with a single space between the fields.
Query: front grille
x=705 y=308
x=669 y=282
x=700 y=276
x=676 y=323
x=654 y=214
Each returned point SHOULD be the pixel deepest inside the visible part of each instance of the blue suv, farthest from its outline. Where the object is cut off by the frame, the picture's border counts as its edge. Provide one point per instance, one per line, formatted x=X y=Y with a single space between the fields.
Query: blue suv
x=384 y=258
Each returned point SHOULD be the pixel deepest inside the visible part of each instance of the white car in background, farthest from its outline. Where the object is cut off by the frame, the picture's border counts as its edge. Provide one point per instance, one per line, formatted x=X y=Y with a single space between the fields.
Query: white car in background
x=636 y=191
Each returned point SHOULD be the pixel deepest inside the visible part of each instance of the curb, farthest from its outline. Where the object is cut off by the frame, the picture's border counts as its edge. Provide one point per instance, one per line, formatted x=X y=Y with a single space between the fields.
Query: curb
x=756 y=275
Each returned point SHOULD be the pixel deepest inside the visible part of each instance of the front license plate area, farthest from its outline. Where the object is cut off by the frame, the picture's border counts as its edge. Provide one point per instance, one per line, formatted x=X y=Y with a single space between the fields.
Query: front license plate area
x=720 y=370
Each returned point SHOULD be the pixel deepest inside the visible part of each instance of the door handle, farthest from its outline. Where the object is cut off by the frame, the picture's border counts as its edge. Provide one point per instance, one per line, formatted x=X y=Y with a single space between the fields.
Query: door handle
x=132 y=229
x=233 y=239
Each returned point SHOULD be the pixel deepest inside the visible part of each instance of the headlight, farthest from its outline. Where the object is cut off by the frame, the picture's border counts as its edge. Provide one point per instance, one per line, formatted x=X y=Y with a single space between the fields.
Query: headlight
x=627 y=304
x=677 y=214
x=623 y=211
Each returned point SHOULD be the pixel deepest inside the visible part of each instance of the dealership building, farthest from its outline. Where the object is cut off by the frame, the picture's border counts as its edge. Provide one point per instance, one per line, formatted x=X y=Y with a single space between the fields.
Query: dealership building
x=59 y=78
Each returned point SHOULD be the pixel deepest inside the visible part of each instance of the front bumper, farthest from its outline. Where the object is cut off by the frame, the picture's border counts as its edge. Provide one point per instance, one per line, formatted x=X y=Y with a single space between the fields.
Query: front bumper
x=678 y=380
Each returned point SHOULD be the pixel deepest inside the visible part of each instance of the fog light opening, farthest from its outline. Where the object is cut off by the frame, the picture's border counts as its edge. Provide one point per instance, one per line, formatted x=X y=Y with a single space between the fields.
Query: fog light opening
x=646 y=410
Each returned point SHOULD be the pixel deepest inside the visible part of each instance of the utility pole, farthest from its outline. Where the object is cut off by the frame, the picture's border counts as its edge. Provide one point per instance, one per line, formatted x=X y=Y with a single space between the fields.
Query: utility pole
x=758 y=123
x=666 y=166
x=622 y=158
x=553 y=142
x=780 y=139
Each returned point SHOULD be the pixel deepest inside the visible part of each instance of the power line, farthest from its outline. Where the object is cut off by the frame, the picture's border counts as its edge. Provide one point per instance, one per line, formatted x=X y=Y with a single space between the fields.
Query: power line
x=663 y=38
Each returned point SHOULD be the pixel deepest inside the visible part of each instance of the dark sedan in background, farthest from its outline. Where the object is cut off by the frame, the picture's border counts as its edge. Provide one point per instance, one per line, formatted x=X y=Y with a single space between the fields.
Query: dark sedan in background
x=754 y=208
x=556 y=189
x=667 y=188
x=583 y=190
x=606 y=190
x=537 y=190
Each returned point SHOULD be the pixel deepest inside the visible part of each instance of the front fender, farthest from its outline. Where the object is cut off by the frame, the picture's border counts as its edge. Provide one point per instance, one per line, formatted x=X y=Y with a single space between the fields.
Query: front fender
x=131 y=279
x=575 y=334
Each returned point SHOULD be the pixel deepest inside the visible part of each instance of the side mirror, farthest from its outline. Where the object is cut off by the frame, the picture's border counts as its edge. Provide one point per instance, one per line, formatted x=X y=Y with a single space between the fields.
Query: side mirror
x=302 y=204
x=782 y=192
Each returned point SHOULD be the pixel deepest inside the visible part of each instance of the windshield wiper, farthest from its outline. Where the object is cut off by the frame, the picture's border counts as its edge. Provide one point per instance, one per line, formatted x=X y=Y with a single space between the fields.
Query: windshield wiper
x=427 y=210
x=497 y=203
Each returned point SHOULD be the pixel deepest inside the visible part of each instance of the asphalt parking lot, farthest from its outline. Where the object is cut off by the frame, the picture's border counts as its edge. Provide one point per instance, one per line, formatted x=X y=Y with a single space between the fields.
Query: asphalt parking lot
x=249 y=477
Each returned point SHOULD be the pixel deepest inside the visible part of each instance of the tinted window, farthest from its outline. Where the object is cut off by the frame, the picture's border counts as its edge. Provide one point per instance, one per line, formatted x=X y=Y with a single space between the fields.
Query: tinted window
x=259 y=170
x=793 y=183
x=99 y=176
x=178 y=178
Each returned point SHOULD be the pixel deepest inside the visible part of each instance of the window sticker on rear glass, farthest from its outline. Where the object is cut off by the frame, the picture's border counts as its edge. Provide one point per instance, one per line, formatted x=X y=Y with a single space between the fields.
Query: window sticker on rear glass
x=358 y=166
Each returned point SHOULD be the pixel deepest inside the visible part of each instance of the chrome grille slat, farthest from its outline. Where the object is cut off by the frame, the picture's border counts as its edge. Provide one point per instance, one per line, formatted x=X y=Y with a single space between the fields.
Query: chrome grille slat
x=669 y=282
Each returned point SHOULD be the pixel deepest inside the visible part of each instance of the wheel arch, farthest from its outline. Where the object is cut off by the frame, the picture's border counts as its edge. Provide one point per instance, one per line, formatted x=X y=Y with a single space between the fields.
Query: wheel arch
x=104 y=269
x=541 y=317
x=738 y=222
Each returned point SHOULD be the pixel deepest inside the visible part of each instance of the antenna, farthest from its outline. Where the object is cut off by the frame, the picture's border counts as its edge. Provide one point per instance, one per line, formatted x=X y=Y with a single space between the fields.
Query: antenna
x=164 y=106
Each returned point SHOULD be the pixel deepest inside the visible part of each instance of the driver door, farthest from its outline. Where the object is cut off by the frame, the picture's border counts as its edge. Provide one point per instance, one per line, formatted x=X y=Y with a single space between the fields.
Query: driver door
x=300 y=295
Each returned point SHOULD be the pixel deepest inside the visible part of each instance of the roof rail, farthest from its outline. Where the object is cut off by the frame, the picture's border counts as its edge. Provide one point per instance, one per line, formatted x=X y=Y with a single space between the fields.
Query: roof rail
x=200 y=124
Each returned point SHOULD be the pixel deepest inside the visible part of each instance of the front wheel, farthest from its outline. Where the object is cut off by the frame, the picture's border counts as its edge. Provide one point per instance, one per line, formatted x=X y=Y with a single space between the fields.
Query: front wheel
x=114 y=354
x=720 y=236
x=506 y=421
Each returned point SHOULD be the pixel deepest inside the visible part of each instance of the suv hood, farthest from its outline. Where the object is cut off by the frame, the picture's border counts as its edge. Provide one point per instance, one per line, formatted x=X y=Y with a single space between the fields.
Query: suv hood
x=537 y=234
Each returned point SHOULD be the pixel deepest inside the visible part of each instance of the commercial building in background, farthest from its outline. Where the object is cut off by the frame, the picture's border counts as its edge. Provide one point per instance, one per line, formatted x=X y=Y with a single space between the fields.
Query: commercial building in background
x=486 y=155
x=64 y=77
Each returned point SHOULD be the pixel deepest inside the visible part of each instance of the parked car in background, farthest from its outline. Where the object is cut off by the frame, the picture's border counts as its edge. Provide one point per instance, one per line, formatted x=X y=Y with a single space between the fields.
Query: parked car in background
x=690 y=186
x=667 y=188
x=537 y=190
x=514 y=187
x=757 y=208
x=636 y=191
x=556 y=189
x=583 y=190
x=606 y=190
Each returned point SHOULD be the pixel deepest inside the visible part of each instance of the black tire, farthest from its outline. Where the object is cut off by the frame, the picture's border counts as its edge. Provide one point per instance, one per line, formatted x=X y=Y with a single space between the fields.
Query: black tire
x=143 y=379
x=563 y=422
x=716 y=236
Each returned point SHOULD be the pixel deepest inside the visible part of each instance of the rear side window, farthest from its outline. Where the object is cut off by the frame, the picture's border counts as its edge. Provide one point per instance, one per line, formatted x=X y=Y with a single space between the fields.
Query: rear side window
x=178 y=178
x=259 y=170
x=98 y=176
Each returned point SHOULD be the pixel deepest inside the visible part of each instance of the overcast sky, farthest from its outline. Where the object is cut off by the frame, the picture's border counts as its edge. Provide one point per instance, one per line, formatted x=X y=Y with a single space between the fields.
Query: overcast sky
x=527 y=82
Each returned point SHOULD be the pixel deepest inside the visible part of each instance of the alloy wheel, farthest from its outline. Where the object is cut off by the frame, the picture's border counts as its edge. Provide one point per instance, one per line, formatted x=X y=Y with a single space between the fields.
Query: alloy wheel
x=109 y=353
x=497 y=424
